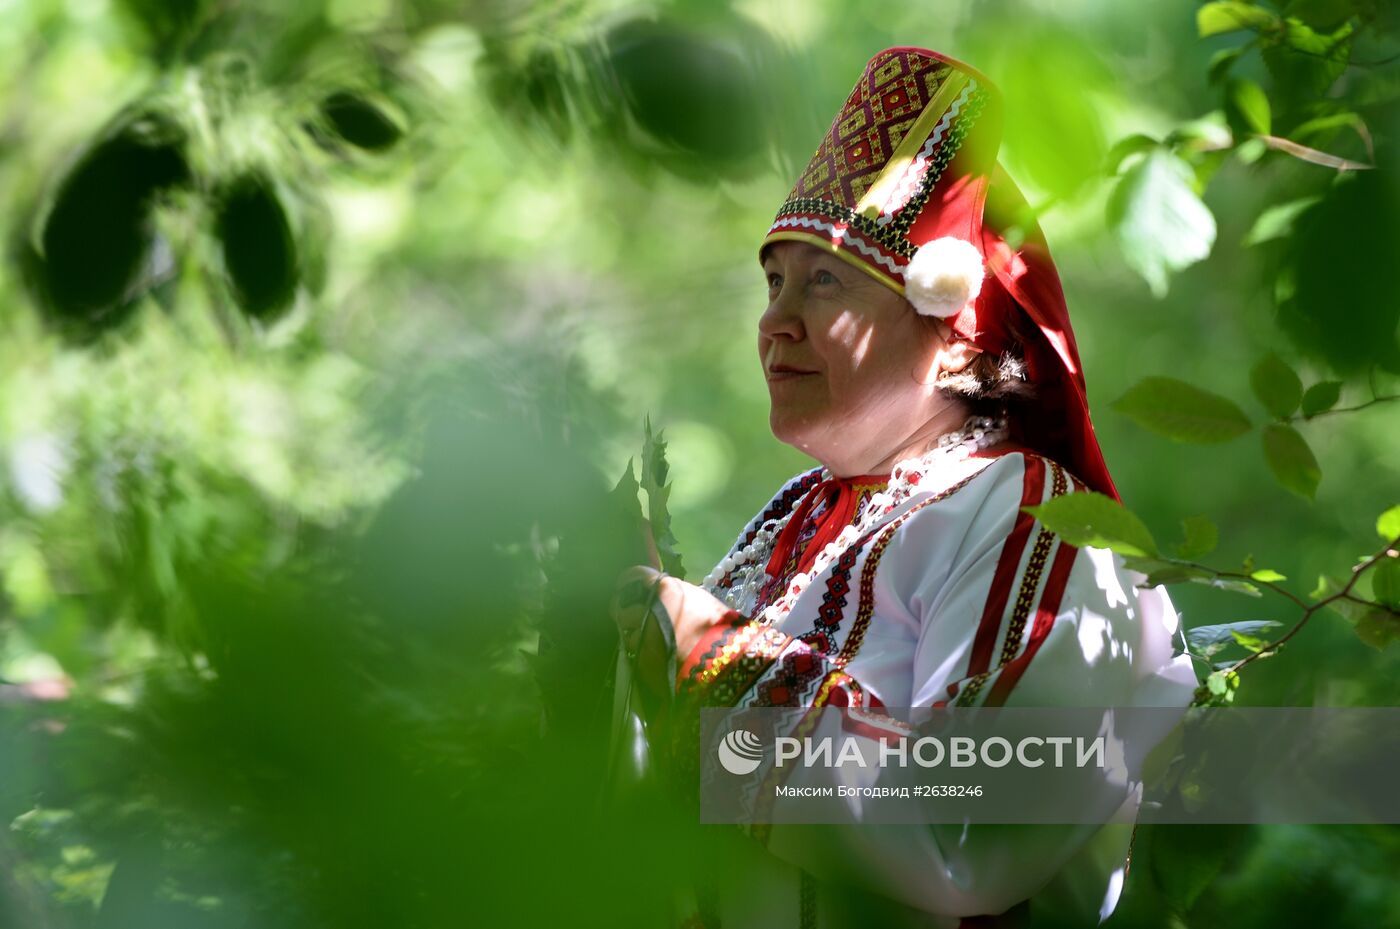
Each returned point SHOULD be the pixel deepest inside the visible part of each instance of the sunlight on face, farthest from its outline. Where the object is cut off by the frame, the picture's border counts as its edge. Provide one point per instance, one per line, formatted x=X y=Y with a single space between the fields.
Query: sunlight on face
x=850 y=366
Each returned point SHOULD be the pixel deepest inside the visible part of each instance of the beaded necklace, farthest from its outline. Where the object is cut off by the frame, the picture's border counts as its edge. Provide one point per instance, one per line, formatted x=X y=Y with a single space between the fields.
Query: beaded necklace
x=745 y=567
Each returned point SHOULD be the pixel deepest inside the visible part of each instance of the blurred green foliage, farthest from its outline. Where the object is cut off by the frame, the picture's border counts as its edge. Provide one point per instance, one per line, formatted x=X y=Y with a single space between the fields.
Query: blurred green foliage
x=328 y=328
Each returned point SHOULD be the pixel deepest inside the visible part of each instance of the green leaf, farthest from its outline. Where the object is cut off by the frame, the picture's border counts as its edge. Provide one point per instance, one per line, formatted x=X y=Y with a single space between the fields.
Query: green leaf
x=1162 y=571
x=1385 y=582
x=1325 y=586
x=1159 y=220
x=1378 y=628
x=1267 y=576
x=1277 y=221
x=1185 y=860
x=1388 y=525
x=1200 y=537
x=362 y=120
x=1251 y=642
x=1223 y=684
x=1231 y=16
x=1208 y=641
x=1247 y=106
x=655 y=471
x=1221 y=63
x=1230 y=584
x=1205 y=134
x=1321 y=397
x=1091 y=519
x=1182 y=411
x=1291 y=460
x=1125 y=148
x=1304 y=63
x=1276 y=386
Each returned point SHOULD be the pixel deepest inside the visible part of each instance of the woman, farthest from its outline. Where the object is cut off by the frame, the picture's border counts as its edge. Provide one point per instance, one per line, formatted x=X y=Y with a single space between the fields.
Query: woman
x=929 y=365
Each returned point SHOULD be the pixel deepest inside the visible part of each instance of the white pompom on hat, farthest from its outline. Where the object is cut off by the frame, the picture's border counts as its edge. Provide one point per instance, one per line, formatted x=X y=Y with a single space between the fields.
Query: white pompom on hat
x=943 y=276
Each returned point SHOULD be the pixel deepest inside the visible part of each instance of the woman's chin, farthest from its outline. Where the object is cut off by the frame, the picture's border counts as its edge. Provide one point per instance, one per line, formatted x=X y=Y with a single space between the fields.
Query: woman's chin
x=790 y=427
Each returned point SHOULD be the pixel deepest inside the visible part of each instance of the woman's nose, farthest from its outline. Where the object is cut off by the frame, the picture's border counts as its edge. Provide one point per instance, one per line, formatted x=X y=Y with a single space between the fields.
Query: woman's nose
x=783 y=316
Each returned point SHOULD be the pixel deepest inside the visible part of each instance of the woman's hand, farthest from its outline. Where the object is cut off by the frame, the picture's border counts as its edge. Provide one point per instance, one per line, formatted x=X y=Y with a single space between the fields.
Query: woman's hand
x=693 y=610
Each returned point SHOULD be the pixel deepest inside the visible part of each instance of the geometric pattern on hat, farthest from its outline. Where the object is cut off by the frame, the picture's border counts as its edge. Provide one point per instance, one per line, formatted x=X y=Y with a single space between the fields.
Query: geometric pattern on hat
x=887 y=148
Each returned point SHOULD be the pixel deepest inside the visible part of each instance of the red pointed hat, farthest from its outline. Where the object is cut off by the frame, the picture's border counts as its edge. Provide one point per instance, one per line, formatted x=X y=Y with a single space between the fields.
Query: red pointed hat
x=906 y=186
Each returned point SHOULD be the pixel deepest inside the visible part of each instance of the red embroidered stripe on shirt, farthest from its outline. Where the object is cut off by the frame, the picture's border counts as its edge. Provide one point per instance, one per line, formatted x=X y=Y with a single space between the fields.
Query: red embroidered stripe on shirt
x=1044 y=619
x=1033 y=489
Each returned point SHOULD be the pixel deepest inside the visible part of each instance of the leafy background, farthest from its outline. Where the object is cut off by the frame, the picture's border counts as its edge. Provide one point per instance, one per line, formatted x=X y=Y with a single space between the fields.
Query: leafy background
x=328 y=329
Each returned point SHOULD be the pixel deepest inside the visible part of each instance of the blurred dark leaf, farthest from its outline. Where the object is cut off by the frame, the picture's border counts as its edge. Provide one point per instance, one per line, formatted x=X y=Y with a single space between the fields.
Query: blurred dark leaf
x=96 y=239
x=259 y=250
x=693 y=91
x=1276 y=386
x=1305 y=64
x=1342 y=255
x=1221 y=63
x=1291 y=460
x=1186 y=859
x=361 y=121
x=1321 y=397
x=1385 y=582
x=1200 y=537
x=1378 y=628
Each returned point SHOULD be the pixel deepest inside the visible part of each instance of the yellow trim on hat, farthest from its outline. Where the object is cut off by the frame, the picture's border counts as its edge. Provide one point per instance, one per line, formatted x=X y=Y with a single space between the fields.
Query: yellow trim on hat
x=825 y=244
x=909 y=146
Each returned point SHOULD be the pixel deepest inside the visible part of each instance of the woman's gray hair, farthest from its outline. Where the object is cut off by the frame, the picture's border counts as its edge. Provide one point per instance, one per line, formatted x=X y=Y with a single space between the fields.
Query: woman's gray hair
x=989 y=377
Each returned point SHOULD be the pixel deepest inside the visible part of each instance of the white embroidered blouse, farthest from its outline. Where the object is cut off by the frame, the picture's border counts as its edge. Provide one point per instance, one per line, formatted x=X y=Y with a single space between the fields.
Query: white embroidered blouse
x=955 y=597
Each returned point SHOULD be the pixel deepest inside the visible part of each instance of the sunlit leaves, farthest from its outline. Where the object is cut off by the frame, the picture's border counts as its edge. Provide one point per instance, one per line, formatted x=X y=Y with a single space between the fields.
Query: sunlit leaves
x=1388 y=524
x=1209 y=641
x=1231 y=16
x=1276 y=386
x=1093 y=519
x=1052 y=83
x=1303 y=62
x=1182 y=411
x=1291 y=460
x=1159 y=220
x=1321 y=397
x=1222 y=685
x=1125 y=148
x=1247 y=107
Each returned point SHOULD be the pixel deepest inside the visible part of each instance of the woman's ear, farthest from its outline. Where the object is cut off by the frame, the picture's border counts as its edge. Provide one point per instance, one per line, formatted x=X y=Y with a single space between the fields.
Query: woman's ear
x=956 y=355
x=954 y=352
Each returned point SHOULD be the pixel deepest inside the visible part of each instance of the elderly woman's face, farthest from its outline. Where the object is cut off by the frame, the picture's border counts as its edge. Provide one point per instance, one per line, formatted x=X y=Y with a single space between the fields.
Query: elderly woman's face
x=850 y=365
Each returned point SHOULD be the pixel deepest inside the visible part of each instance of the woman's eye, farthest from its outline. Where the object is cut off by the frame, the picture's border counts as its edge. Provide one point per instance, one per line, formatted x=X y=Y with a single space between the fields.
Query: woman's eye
x=774 y=281
x=824 y=277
